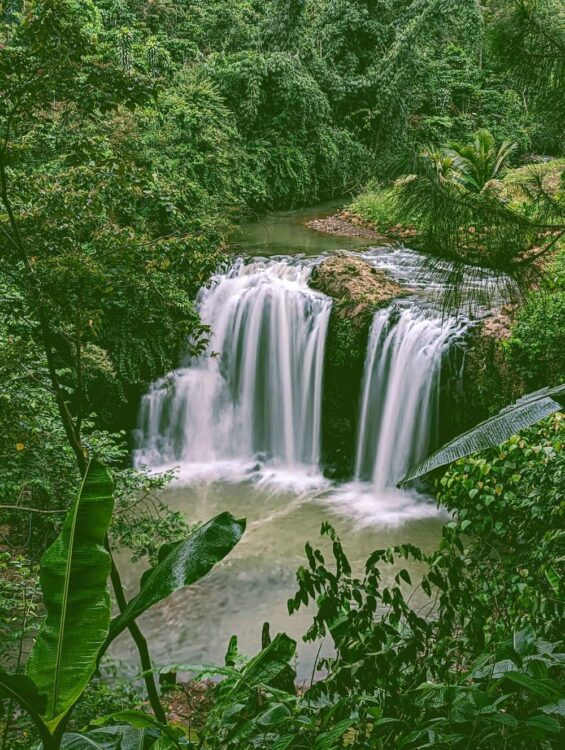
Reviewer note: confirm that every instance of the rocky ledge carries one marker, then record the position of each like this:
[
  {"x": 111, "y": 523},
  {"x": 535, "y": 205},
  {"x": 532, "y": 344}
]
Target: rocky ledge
[
  {"x": 345, "y": 224},
  {"x": 356, "y": 286}
]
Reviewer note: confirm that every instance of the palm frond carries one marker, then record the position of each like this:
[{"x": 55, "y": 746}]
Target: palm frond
[{"x": 494, "y": 431}]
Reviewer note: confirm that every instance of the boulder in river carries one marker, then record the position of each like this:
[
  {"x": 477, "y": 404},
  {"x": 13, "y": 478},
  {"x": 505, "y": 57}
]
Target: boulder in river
[{"x": 357, "y": 287}]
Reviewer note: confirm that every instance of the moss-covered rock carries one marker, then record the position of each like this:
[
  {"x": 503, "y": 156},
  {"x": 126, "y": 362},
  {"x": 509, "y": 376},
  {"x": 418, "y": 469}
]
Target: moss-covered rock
[
  {"x": 358, "y": 290},
  {"x": 357, "y": 287}
]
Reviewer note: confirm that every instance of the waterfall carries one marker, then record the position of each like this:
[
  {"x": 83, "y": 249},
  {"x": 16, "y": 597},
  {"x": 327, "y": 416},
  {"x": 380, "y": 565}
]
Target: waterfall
[
  {"x": 256, "y": 392},
  {"x": 400, "y": 392}
]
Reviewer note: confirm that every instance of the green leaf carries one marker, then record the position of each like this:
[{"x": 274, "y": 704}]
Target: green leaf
[
  {"x": 24, "y": 691},
  {"x": 140, "y": 721},
  {"x": 554, "y": 578},
  {"x": 183, "y": 563},
  {"x": 544, "y": 723},
  {"x": 524, "y": 641},
  {"x": 122, "y": 736},
  {"x": 163, "y": 743},
  {"x": 274, "y": 715},
  {"x": 545, "y": 689},
  {"x": 269, "y": 663},
  {"x": 90, "y": 741},
  {"x": 327, "y": 740},
  {"x": 494, "y": 431},
  {"x": 283, "y": 742},
  {"x": 73, "y": 576}
]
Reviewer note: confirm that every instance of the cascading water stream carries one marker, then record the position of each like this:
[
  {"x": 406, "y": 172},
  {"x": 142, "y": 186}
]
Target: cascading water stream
[
  {"x": 400, "y": 392},
  {"x": 256, "y": 392},
  {"x": 253, "y": 399}
]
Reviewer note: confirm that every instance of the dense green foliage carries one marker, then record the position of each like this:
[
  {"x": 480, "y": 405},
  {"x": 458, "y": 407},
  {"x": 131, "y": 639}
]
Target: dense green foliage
[
  {"x": 129, "y": 152},
  {"x": 133, "y": 136},
  {"x": 478, "y": 664},
  {"x": 77, "y": 628},
  {"x": 536, "y": 348}
]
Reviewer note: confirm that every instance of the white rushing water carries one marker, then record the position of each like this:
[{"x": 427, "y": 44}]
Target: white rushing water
[
  {"x": 255, "y": 394},
  {"x": 400, "y": 392},
  {"x": 251, "y": 404}
]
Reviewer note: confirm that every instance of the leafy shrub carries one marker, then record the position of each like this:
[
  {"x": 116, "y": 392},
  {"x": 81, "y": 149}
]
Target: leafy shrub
[
  {"x": 481, "y": 663},
  {"x": 536, "y": 347},
  {"x": 510, "y": 500}
]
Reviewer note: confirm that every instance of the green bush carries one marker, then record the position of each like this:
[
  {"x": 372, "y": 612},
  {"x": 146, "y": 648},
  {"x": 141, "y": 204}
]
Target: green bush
[
  {"x": 536, "y": 347},
  {"x": 509, "y": 502}
]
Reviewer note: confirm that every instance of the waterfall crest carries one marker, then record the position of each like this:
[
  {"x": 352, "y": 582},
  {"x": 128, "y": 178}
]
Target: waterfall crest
[{"x": 256, "y": 392}]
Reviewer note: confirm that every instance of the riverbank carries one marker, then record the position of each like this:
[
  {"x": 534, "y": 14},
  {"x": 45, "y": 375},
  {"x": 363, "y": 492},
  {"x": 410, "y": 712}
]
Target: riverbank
[{"x": 347, "y": 223}]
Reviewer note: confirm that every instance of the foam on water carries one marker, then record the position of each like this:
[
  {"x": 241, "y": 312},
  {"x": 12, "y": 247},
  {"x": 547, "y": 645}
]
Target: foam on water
[{"x": 385, "y": 508}]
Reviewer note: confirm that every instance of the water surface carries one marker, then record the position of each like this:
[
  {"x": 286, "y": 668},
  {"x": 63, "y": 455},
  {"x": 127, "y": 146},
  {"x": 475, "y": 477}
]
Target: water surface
[
  {"x": 285, "y": 233},
  {"x": 254, "y": 583}
]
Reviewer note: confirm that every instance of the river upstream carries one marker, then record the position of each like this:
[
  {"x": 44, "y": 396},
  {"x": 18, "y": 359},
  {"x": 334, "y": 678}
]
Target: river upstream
[{"x": 243, "y": 425}]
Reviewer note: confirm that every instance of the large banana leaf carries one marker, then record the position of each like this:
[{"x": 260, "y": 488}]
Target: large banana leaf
[
  {"x": 121, "y": 737},
  {"x": 73, "y": 575},
  {"x": 496, "y": 430},
  {"x": 180, "y": 565}
]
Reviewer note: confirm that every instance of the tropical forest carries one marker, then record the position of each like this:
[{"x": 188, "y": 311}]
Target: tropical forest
[{"x": 282, "y": 374}]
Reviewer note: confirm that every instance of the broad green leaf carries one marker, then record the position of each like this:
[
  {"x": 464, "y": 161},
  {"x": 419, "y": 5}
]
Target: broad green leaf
[
  {"x": 126, "y": 736},
  {"x": 133, "y": 739},
  {"x": 90, "y": 741},
  {"x": 524, "y": 641},
  {"x": 139, "y": 720},
  {"x": 269, "y": 663},
  {"x": 494, "y": 671},
  {"x": 544, "y": 724},
  {"x": 163, "y": 743},
  {"x": 284, "y": 742},
  {"x": 73, "y": 575},
  {"x": 554, "y": 578},
  {"x": 494, "y": 431},
  {"x": 24, "y": 692},
  {"x": 328, "y": 740},
  {"x": 180, "y": 565},
  {"x": 274, "y": 715},
  {"x": 546, "y": 689}
]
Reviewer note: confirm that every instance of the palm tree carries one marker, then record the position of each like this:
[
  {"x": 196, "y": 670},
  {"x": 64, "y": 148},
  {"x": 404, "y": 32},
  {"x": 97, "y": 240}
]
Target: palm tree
[
  {"x": 476, "y": 164},
  {"x": 456, "y": 200}
]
